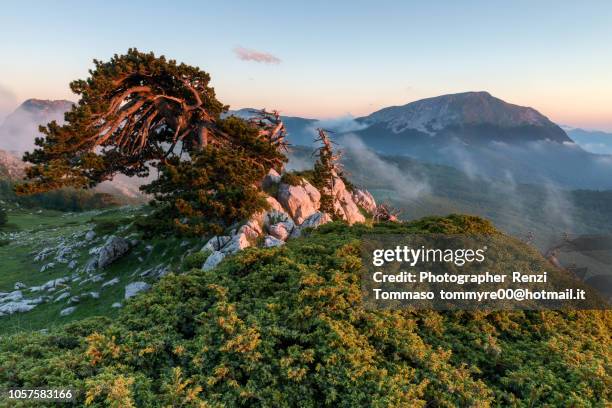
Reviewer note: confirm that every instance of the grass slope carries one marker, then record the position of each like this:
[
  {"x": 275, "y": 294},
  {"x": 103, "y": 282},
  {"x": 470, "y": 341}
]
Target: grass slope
[
  {"x": 286, "y": 327},
  {"x": 29, "y": 232}
]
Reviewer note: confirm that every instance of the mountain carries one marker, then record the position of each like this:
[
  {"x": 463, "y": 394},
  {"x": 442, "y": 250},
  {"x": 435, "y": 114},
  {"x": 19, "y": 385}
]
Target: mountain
[
  {"x": 470, "y": 117},
  {"x": 593, "y": 141},
  {"x": 19, "y": 129},
  {"x": 11, "y": 166}
]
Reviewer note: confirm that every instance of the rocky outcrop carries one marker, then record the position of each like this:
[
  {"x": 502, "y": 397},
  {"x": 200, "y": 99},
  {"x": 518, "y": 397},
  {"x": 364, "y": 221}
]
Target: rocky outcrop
[
  {"x": 365, "y": 200},
  {"x": 344, "y": 206},
  {"x": 300, "y": 201},
  {"x": 294, "y": 208}
]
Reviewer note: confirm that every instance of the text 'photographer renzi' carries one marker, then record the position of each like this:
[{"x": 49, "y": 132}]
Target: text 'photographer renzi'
[{"x": 483, "y": 272}]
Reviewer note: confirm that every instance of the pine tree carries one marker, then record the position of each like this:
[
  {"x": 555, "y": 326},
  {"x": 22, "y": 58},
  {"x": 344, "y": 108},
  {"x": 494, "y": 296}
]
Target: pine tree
[
  {"x": 137, "y": 112},
  {"x": 327, "y": 169}
]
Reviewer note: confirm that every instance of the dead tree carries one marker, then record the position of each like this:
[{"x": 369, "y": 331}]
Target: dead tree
[{"x": 384, "y": 212}]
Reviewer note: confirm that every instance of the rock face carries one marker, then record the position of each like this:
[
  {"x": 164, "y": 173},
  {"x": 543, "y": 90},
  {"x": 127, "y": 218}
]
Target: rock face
[
  {"x": 364, "y": 199},
  {"x": 113, "y": 249},
  {"x": 344, "y": 205},
  {"x": 300, "y": 201}
]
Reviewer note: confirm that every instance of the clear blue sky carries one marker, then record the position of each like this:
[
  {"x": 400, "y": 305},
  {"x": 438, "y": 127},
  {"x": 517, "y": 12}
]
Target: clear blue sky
[{"x": 336, "y": 57}]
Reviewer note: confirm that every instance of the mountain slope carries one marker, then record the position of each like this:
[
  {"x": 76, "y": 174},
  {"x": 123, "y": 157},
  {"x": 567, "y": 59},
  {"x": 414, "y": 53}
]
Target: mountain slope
[
  {"x": 20, "y": 128},
  {"x": 472, "y": 117}
]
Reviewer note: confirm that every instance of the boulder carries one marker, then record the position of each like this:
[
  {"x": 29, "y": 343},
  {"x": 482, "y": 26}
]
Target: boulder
[
  {"x": 281, "y": 230},
  {"x": 116, "y": 305},
  {"x": 90, "y": 235},
  {"x": 134, "y": 288},
  {"x": 114, "y": 248},
  {"x": 20, "y": 285},
  {"x": 270, "y": 241},
  {"x": 300, "y": 201},
  {"x": 213, "y": 260}
]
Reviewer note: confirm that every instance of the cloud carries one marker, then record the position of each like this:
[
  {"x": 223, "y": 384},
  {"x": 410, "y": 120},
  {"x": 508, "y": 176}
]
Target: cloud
[
  {"x": 246, "y": 54},
  {"x": 8, "y": 101},
  {"x": 406, "y": 186}
]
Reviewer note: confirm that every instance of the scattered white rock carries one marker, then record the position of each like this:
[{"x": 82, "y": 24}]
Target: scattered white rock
[
  {"x": 72, "y": 264},
  {"x": 116, "y": 305},
  {"x": 90, "y": 235},
  {"x": 94, "y": 295},
  {"x": 111, "y": 282},
  {"x": 62, "y": 296},
  {"x": 67, "y": 311},
  {"x": 11, "y": 296},
  {"x": 20, "y": 285},
  {"x": 132, "y": 289},
  {"x": 213, "y": 260},
  {"x": 48, "y": 266}
]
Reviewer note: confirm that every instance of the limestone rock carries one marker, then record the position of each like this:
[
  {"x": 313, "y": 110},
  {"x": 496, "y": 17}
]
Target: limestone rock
[
  {"x": 67, "y": 311},
  {"x": 344, "y": 204},
  {"x": 271, "y": 241},
  {"x": 134, "y": 288},
  {"x": 114, "y": 248},
  {"x": 213, "y": 260},
  {"x": 300, "y": 201},
  {"x": 216, "y": 243},
  {"x": 316, "y": 219},
  {"x": 90, "y": 235}
]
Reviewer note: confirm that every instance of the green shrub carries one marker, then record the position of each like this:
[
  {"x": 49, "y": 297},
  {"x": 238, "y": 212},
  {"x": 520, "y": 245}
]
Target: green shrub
[
  {"x": 195, "y": 260},
  {"x": 291, "y": 178}
]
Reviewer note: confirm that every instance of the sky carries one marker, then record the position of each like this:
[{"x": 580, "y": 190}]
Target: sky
[{"x": 326, "y": 59}]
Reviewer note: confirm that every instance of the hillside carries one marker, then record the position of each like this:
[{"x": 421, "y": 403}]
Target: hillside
[{"x": 285, "y": 326}]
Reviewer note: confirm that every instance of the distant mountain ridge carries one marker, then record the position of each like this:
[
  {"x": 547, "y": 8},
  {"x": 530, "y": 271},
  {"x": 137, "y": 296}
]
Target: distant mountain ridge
[{"x": 472, "y": 117}]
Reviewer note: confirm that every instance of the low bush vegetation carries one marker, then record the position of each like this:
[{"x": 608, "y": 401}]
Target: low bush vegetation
[{"x": 286, "y": 327}]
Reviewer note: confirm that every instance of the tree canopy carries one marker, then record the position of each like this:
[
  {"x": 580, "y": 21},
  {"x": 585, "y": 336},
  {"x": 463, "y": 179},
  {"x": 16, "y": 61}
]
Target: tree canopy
[{"x": 137, "y": 112}]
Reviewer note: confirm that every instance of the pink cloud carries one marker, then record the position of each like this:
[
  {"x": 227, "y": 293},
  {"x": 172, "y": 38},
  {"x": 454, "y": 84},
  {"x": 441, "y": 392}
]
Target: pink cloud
[{"x": 246, "y": 54}]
